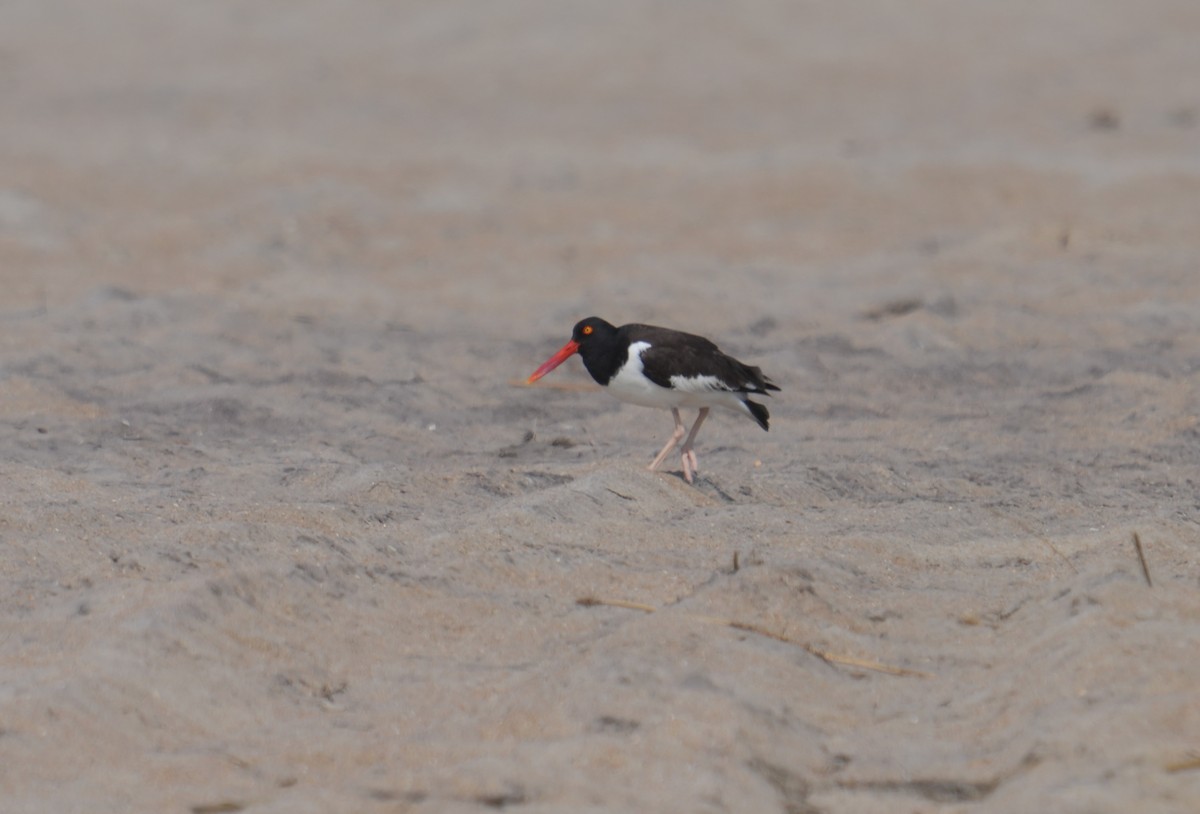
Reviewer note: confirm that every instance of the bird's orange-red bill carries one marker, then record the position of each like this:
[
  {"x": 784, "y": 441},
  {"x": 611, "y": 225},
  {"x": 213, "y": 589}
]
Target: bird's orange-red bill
[{"x": 564, "y": 353}]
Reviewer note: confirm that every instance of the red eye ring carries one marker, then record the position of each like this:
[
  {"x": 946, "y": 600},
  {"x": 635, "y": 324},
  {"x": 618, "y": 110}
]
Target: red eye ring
[{"x": 587, "y": 330}]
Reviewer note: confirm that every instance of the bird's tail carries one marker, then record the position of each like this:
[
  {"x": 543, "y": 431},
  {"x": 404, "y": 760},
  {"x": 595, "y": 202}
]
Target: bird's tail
[
  {"x": 759, "y": 382},
  {"x": 757, "y": 412}
]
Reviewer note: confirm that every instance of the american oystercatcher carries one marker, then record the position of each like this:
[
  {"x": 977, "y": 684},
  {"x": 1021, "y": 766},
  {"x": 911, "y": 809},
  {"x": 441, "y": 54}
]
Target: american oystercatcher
[{"x": 659, "y": 367}]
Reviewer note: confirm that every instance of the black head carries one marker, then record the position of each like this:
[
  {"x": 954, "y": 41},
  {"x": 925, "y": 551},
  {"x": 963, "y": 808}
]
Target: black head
[
  {"x": 590, "y": 337},
  {"x": 589, "y": 331}
]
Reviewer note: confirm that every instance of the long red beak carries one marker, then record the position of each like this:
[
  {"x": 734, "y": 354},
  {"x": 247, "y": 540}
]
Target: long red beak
[{"x": 564, "y": 353}]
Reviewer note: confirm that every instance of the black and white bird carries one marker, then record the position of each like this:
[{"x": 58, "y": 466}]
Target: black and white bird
[{"x": 659, "y": 367}]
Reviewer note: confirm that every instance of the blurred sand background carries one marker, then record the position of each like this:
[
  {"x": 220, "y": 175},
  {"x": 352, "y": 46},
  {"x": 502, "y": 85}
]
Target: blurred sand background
[{"x": 280, "y": 533}]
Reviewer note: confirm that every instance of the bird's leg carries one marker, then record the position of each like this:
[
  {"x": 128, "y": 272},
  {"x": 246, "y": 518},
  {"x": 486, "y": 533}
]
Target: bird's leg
[
  {"x": 689, "y": 454},
  {"x": 675, "y": 436}
]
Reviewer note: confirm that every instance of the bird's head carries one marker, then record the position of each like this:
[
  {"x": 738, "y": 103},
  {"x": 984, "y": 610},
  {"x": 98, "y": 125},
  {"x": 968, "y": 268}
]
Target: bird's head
[{"x": 586, "y": 332}]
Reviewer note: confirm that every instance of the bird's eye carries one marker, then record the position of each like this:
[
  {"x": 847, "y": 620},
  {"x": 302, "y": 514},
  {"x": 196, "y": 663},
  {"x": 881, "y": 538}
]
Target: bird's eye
[{"x": 587, "y": 330}]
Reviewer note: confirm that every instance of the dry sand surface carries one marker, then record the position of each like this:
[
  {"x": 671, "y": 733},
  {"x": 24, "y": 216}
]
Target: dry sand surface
[{"x": 282, "y": 532}]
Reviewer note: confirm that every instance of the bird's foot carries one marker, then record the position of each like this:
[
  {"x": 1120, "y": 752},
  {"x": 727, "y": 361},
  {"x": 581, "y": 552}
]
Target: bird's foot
[{"x": 690, "y": 466}]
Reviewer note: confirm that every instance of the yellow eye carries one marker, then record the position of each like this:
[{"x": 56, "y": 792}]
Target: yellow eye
[{"x": 587, "y": 330}]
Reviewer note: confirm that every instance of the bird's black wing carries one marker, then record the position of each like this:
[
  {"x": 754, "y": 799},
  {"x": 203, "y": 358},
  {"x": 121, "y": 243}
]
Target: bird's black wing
[{"x": 675, "y": 353}]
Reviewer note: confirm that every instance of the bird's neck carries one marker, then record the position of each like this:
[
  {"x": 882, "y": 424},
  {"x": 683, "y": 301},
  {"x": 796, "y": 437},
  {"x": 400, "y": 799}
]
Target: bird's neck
[{"x": 604, "y": 358}]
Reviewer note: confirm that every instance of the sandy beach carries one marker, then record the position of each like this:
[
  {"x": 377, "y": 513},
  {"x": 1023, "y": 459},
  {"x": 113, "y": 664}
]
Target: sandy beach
[{"x": 282, "y": 529}]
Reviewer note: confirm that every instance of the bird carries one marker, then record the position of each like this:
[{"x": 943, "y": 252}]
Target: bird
[{"x": 661, "y": 367}]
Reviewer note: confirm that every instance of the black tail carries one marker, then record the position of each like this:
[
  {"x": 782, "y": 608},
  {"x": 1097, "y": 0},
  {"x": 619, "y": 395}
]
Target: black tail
[
  {"x": 759, "y": 381},
  {"x": 759, "y": 412}
]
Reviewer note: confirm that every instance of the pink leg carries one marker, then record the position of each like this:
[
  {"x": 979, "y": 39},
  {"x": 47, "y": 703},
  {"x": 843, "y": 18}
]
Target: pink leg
[
  {"x": 689, "y": 454},
  {"x": 675, "y": 436}
]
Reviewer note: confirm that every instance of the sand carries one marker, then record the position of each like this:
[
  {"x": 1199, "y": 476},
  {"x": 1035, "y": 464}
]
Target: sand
[{"x": 282, "y": 531}]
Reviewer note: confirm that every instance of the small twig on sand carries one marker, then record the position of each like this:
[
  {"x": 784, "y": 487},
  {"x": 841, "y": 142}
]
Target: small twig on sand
[
  {"x": 591, "y": 602},
  {"x": 823, "y": 655},
  {"x": 1137, "y": 544},
  {"x": 1016, "y": 521},
  {"x": 570, "y": 387},
  {"x": 1187, "y": 764},
  {"x": 618, "y": 494}
]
